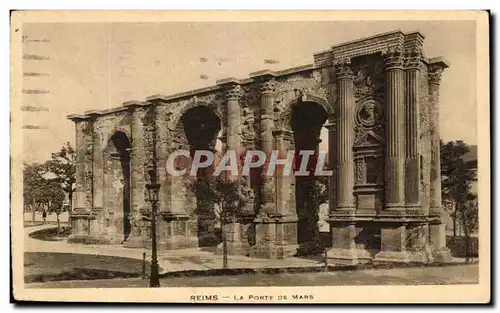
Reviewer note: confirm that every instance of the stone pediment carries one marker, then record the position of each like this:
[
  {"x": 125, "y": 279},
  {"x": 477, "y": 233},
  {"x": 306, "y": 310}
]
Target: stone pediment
[{"x": 368, "y": 139}]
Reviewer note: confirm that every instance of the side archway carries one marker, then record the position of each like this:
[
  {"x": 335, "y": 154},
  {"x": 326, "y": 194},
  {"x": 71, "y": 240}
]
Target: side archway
[{"x": 117, "y": 184}]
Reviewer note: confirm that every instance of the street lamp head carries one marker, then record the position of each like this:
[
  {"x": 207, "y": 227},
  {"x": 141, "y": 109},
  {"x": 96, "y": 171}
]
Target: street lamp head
[
  {"x": 152, "y": 176},
  {"x": 153, "y": 188}
]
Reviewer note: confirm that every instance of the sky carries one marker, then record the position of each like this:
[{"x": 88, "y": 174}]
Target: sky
[{"x": 101, "y": 65}]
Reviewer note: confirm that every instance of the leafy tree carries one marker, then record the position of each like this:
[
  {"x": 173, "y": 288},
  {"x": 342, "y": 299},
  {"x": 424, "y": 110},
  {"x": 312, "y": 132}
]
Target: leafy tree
[
  {"x": 457, "y": 175},
  {"x": 53, "y": 195},
  {"x": 228, "y": 197},
  {"x": 33, "y": 183},
  {"x": 41, "y": 191},
  {"x": 469, "y": 216},
  {"x": 62, "y": 164}
]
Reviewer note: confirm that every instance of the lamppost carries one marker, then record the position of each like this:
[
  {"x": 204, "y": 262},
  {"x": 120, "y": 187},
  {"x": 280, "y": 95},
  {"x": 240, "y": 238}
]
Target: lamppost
[{"x": 153, "y": 191}]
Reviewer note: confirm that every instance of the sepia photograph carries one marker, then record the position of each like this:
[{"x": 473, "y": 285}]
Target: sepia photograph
[{"x": 250, "y": 157}]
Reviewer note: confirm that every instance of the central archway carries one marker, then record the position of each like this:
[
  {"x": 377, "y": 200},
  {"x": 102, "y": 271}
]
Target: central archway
[
  {"x": 307, "y": 121},
  {"x": 201, "y": 127}
]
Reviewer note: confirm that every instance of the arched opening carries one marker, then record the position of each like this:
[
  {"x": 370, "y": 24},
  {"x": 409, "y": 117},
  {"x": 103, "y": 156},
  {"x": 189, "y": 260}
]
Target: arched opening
[
  {"x": 201, "y": 126},
  {"x": 311, "y": 192},
  {"x": 117, "y": 184}
]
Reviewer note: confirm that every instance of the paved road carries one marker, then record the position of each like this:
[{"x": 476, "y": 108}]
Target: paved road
[
  {"x": 456, "y": 274},
  {"x": 172, "y": 260}
]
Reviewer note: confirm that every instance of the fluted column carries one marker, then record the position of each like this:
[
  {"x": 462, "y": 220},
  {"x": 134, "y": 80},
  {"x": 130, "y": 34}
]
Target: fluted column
[
  {"x": 395, "y": 132},
  {"x": 412, "y": 177},
  {"x": 344, "y": 156},
  {"x": 233, "y": 115},
  {"x": 434, "y": 75},
  {"x": 267, "y": 93},
  {"x": 437, "y": 229},
  {"x": 342, "y": 228}
]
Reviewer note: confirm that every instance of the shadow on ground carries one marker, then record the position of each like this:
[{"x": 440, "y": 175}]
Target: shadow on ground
[
  {"x": 50, "y": 234},
  {"x": 45, "y": 267}
]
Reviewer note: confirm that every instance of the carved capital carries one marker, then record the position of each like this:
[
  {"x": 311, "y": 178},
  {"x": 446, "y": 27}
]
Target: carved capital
[
  {"x": 394, "y": 58},
  {"x": 268, "y": 86},
  {"x": 343, "y": 69},
  {"x": 434, "y": 75},
  {"x": 85, "y": 127},
  {"x": 413, "y": 58},
  {"x": 234, "y": 92}
]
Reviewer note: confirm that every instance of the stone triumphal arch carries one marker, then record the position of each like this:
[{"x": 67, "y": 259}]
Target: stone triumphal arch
[{"x": 378, "y": 97}]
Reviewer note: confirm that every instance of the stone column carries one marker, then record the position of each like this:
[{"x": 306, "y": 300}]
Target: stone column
[
  {"x": 344, "y": 156},
  {"x": 138, "y": 174},
  {"x": 267, "y": 91},
  {"x": 161, "y": 139},
  {"x": 395, "y": 133},
  {"x": 81, "y": 127},
  {"x": 342, "y": 224},
  {"x": 394, "y": 232},
  {"x": 82, "y": 198},
  {"x": 233, "y": 92},
  {"x": 437, "y": 233},
  {"x": 97, "y": 224},
  {"x": 412, "y": 179},
  {"x": 233, "y": 115}
]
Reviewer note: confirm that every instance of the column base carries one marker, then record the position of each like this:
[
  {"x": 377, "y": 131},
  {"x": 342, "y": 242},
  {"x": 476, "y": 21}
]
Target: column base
[
  {"x": 340, "y": 256},
  {"x": 273, "y": 251},
  {"x": 343, "y": 256},
  {"x": 402, "y": 257}
]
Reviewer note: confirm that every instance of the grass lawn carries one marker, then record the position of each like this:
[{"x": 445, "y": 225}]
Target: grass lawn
[
  {"x": 42, "y": 267},
  {"x": 457, "y": 274}
]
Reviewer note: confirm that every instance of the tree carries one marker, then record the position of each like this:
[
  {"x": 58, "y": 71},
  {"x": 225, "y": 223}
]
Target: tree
[
  {"x": 469, "y": 217},
  {"x": 228, "y": 196},
  {"x": 41, "y": 191},
  {"x": 457, "y": 176},
  {"x": 53, "y": 195},
  {"x": 33, "y": 183},
  {"x": 62, "y": 164}
]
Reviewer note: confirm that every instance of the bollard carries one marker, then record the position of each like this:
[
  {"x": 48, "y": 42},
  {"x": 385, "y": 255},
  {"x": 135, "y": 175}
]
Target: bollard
[
  {"x": 144, "y": 265},
  {"x": 326, "y": 260}
]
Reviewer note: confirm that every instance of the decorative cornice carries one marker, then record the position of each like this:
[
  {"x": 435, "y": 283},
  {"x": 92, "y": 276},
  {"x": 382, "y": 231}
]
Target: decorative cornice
[
  {"x": 394, "y": 58},
  {"x": 77, "y": 117},
  {"x": 133, "y": 104},
  {"x": 343, "y": 69}
]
